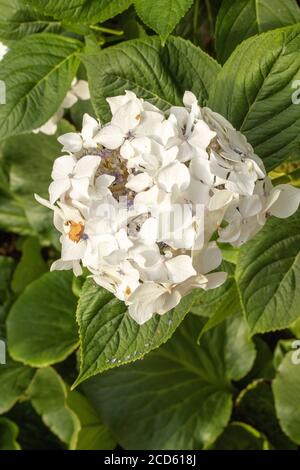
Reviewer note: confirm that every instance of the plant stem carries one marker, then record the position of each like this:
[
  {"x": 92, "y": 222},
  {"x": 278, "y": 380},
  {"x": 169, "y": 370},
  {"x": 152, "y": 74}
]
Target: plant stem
[
  {"x": 210, "y": 16},
  {"x": 107, "y": 30}
]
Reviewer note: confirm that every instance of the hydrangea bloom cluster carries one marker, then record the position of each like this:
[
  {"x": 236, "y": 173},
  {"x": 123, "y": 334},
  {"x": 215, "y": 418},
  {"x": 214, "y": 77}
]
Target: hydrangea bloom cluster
[{"x": 137, "y": 201}]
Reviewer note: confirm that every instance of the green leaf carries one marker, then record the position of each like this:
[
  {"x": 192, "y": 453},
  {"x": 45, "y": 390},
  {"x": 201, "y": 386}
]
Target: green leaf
[
  {"x": 283, "y": 346},
  {"x": 240, "y": 436},
  {"x": 34, "y": 434},
  {"x": 286, "y": 389},
  {"x": 24, "y": 22},
  {"x": 254, "y": 92},
  {"x": 8, "y": 434},
  {"x": 239, "y": 19},
  {"x": 30, "y": 267},
  {"x": 7, "y": 267},
  {"x": 109, "y": 337},
  {"x": 93, "y": 435},
  {"x": 15, "y": 379},
  {"x": 12, "y": 216},
  {"x": 41, "y": 326},
  {"x": 37, "y": 73},
  {"x": 263, "y": 367},
  {"x": 155, "y": 73},
  {"x": 268, "y": 276},
  {"x": 180, "y": 396},
  {"x": 8, "y": 7},
  {"x": 207, "y": 303},
  {"x": 48, "y": 394},
  {"x": 255, "y": 405},
  {"x": 162, "y": 15},
  {"x": 81, "y": 11}
]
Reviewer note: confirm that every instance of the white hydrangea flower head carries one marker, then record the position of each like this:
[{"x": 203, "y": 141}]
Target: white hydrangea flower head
[{"x": 139, "y": 200}]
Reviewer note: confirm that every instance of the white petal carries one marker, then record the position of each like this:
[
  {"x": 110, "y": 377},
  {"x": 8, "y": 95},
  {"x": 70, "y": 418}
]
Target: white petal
[
  {"x": 232, "y": 232},
  {"x": 127, "y": 117},
  {"x": 69, "y": 100},
  {"x": 127, "y": 151},
  {"x": 110, "y": 136},
  {"x": 143, "y": 301},
  {"x": 180, "y": 268},
  {"x": 122, "y": 238},
  {"x": 44, "y": 202},
  {"x": 201, "y": 169},
  {"x": 79, "y": 188},
  {"x": 250, "y": 206},
  {"x": 139, "y": 182},
  {"x": 176, "y": 174},
  {"x": 87, "y": 166},
  {"x": 208, "y": 259},
  {"x": 287, "y": 203},
  {"x": 71, "y": 142},
  {"x": 220, "y": 199},
  {"x": 168, "y": 301},
  {"x": 63, "y": 167},
  {"x": 81, "y": 89},
  {"x": 149, "y": 231},
  {"x": 189, "y": 98},
  {"x": 201, "y": 135},
  {"x": 116, "y": 102},
  {"x": 57, "y": 188},
  {"x": 60, "y": 265},
  {"x": 89, "y": 127},
  {"x": 71, "y": 250},
  {"x": 216, "y": 280}
]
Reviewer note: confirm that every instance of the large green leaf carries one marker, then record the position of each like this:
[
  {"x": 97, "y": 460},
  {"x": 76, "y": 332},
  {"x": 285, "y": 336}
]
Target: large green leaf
[
  {"x": 8, "y": 435},
  {"x": 24, "y": 22},
  {"x": 286, "y": 389},
  {"x": 48, "y": 394},
  {"x": 240, "y": 436},
  {"x": 217, "y": 304},
  {"x": 8, "y": 7},
  {"x": 93, "y": 435},
  {"x": 156, "y": 73},
  {"x": 30, "y": 267},
  {"x": 7, "y": 266},
  {"x": 268, "y": 276},
  {"x": 12, "y": 216},
  {"x": 255, "y": 405},
  {"x": 109, "y": 337},
  {"x": 15, "y": 379},
  {"x": 162, "y": 15},
  {"x": 81, "y": 11},
  {"x": 41, "y": 326},
  {"x": 239, "y": 19},
  {"x": 37, "y": 73},
  {"x": 180, "y": 396},
  {"x": 254, "y": 92}
]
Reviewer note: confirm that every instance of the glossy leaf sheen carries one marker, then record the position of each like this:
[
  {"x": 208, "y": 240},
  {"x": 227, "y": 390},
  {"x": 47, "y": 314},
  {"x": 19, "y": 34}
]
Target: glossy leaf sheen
[
  {"x": 81, "y": 11},
  {"x": 180, "y": 396},
  {"x": 286, "y": 389},
  {"x": 37, "y": 73},
  {"x": 158, "y": 74},
  {"x": 239, "y": 19},
  {"x": 41, "y": 326},
  {"x": 254, "y": 92},
  {"x": 162, "y": 15},
  {"x": 109, "y": 337}
]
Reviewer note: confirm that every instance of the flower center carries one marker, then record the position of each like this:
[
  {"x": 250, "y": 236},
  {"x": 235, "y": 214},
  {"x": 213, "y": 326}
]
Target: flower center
[{"x": 76, "y": 232}]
